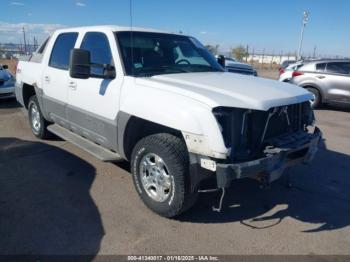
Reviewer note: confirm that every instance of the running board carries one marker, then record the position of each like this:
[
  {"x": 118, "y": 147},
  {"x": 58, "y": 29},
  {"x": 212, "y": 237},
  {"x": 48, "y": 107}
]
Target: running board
[{"x": 90, "y": 147}]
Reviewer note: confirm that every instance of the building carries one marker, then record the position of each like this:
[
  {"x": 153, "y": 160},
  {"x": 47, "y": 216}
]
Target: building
[{"x": 269, "y": 59}]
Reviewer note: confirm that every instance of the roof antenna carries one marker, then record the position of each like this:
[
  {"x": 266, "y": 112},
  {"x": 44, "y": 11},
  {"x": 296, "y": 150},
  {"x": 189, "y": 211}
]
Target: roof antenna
[{"x": 131, "y": 39}]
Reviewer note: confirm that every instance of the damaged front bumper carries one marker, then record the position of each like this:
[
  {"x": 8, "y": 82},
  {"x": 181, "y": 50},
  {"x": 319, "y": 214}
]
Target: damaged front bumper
[{"x": 276, "y": 160}]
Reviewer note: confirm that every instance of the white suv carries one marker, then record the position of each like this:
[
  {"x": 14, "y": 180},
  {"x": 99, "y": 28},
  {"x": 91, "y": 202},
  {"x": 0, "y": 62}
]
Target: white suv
[
  {"x": 286, "y": 74},
  {"x": 162, "y": 101}
]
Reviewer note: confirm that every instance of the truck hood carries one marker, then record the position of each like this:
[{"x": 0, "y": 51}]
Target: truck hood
[{"x": 229, "y": 90}]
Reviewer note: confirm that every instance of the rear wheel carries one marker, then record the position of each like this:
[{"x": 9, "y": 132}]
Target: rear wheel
[
  {"x": 36, "y": 119},
  {"x": 160, "y": 169},
  {"x": 317, "y": 101}
]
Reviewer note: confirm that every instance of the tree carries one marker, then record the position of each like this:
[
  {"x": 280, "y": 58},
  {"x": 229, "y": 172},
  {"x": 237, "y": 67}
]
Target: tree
[
  {"x": 213, "y": 49},
  {"x": 239, "y": 52}
]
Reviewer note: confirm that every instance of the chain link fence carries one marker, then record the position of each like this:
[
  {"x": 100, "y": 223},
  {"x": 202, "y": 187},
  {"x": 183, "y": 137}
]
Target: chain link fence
[{"x": 16, "y": 51}]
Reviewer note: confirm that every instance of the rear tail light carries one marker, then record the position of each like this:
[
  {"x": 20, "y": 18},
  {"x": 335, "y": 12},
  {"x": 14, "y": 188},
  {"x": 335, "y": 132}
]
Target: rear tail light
[
  {"x": 297, "y": 73},
  {"x": 282, "y": 71}
]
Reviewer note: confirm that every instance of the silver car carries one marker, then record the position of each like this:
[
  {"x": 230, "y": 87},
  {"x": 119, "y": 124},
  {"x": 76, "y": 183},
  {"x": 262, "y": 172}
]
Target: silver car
[
  {"x": 7, "y": 83},
  {"x": 328, "y": 80}
]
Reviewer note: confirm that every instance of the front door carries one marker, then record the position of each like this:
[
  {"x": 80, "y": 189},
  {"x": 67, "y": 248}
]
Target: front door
[{"x": 94, "y": 102}]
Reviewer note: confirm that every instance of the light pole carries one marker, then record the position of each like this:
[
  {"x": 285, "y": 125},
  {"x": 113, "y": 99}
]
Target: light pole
[{"x": 304, "y": 22}]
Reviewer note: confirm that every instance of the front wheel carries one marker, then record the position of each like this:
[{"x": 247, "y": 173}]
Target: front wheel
[
  {"x": 36, "y": 120},
  {"x": 316, "y": 101},
  {"x": 160, "y": 169}
]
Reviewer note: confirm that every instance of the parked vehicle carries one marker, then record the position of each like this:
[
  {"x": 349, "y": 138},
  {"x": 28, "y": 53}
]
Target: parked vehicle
[
  {"x": 286, "y": 74},
  {"x": 327, "y": 80},
  {"x": 286, "y": 63},
  {"x": 7, "y": 83},
  {"x": 162, "y": 102},
  {"x": 232, "y": 66}
]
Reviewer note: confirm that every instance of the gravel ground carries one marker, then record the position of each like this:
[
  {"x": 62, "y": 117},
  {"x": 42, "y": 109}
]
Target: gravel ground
[
  {"x": 272, "y": 73},
  {"x": 57, "y": 199}
]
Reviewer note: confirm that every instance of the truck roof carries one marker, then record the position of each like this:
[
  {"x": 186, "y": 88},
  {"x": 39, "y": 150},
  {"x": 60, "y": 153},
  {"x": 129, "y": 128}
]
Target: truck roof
[{"x": 113, "y": 28}]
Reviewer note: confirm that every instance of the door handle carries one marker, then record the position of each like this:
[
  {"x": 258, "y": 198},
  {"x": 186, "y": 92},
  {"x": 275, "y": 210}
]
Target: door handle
[
  {"x": 320, "y": 77},
  {"x": 72, "y": 85},
  {"x": 47, "y": 79}
]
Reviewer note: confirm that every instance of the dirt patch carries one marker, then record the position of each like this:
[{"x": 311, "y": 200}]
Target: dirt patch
[
  {"x": 11, "y": 63},
  {"x": 268, "y": 73}
]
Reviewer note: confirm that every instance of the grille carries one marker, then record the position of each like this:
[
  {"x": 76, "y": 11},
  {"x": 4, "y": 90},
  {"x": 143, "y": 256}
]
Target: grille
[{"x": 284, "y": 119}]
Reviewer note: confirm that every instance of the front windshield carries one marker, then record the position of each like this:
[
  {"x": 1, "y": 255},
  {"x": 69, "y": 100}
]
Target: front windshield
[{"x": 150, "y": 54}]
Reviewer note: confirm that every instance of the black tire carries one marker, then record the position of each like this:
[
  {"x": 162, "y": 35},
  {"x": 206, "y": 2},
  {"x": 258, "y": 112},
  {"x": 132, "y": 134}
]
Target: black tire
[
  {"x": 317, "y": 102},
  {"x": 39, "y": 131},
  {"x": 173, "y": 152}
]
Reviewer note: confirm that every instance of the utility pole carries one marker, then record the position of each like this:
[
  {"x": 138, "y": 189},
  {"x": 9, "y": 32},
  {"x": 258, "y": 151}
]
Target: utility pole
[
  {"x": 35, "y": 43},
  {"x": 304, "y": 22},
  {"x": 272, "y": 57},
  {"x": 262, "y": 60},
  {"x": 314, "y": 54},
  {"x": 247, "y": 53},
  {"x": 20, "y": 45},
  {"x": 253, "y": 56},
  {"x": 281, "y": 54},
  {"x": 24, "y": 39}
]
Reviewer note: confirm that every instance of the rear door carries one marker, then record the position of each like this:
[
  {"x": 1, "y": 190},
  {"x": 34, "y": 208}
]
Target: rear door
[
  {"x": 55, "y": 77},
  {"x": 337, "y": 81},
  {"x": 94, "y": 102}
]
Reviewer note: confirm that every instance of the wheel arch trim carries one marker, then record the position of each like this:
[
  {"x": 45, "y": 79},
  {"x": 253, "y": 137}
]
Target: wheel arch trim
[{"x": 312, "y": 85}]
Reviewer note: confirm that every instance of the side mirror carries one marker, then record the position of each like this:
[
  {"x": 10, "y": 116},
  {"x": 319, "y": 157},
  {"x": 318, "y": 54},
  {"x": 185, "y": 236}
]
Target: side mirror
[
  {"x": 221, "y": 60},
  {"x": 5, "y": 66},
  {"x": 79, "y": 63}
]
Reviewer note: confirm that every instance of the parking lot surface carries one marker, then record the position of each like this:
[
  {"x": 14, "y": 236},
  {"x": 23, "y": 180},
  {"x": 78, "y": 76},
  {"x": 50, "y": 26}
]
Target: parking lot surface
[{"x": 57, "y": 199}]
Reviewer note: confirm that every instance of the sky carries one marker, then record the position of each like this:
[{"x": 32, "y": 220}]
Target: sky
[{"x": 269, "y": 26}]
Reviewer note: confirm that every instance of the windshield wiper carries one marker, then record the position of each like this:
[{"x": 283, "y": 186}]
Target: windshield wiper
[
  {"x": 207, "y": 68},
  {"x": 176, "y": 68},
  {"x": 150, "y": 71}
]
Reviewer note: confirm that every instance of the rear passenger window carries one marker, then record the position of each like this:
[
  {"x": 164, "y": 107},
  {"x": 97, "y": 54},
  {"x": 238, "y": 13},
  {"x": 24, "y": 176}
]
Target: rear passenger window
[
  {"x": 61, "y": 50},
  {"x": 98, "y": 45},
  {"x": 320, "y": 67},
  {"x": 346, "y": 67},
  {"x": 338, "y": 68}
]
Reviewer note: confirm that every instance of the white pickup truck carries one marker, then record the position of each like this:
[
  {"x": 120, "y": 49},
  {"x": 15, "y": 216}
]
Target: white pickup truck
[{"x": 162, "y": 102}]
